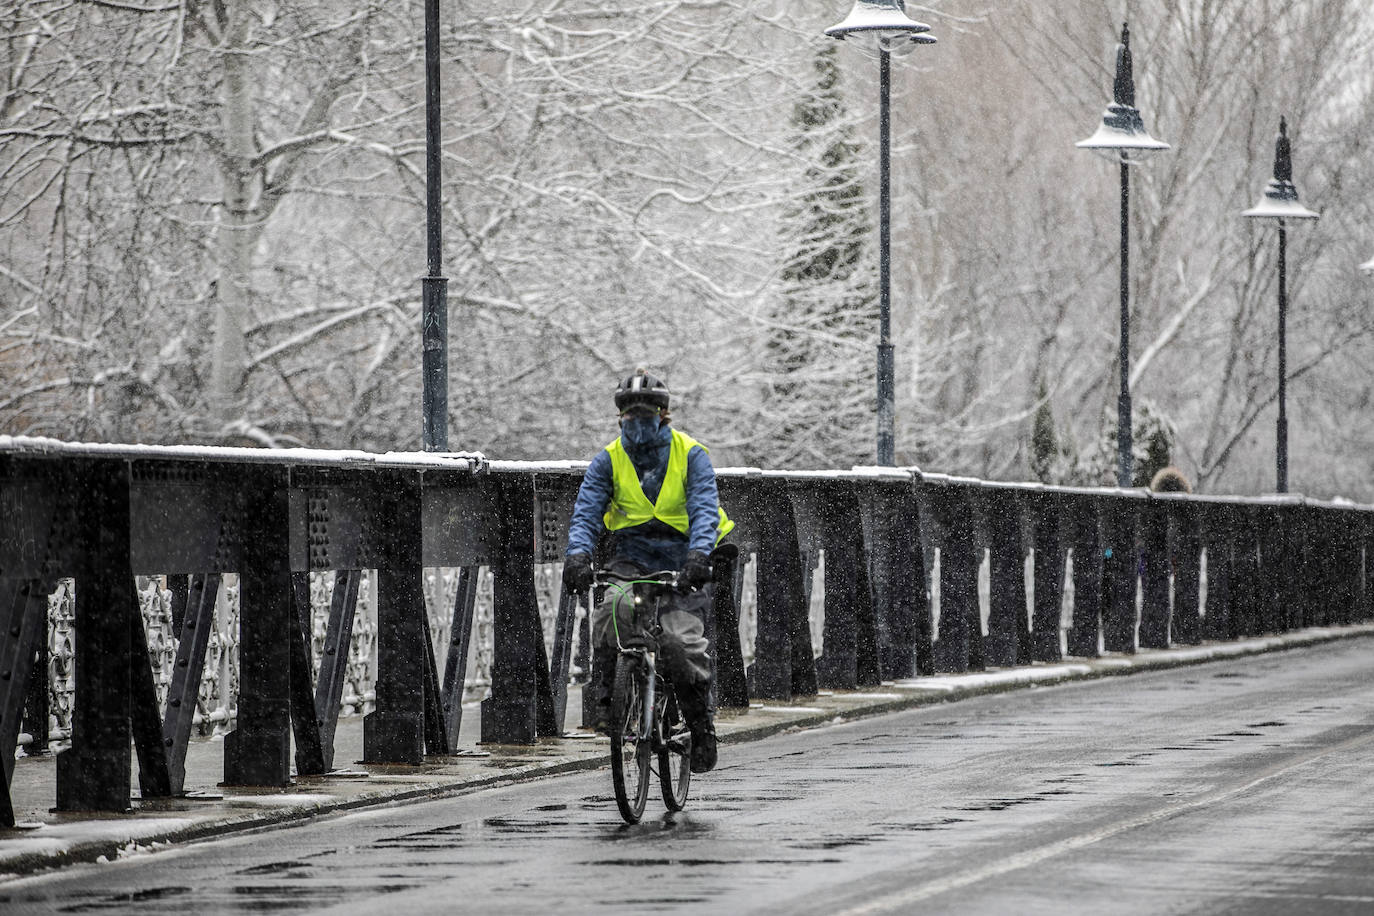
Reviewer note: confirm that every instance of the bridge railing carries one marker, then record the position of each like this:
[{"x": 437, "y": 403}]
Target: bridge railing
[{"x": 103, "y": 514}]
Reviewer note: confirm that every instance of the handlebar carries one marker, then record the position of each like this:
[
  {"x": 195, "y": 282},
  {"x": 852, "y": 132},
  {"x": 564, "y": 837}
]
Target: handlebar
[
  {"x": 628, "y": 595},
  {"x": 670, "y": 578}
]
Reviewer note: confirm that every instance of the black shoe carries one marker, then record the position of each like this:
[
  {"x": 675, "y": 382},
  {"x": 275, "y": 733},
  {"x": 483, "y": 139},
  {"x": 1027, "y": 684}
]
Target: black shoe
[
  {"x": 601, "y": 719},
  {"x": 694, "y": 701},
  {"x": 704, "y": 748}
]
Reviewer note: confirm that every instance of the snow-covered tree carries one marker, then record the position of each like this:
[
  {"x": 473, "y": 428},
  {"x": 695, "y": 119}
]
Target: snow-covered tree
[{"x": 211, "y": 228}]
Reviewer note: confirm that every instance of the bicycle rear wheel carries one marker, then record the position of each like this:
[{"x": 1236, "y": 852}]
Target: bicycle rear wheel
[
  {"x": 630, "y": 748},
  {"x": 675, "y": 753}
]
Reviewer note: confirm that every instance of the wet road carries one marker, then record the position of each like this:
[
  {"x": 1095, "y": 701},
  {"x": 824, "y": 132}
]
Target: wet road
[{"x": 1233, "y": 787}]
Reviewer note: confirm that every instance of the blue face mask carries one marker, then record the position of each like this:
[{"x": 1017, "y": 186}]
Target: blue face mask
[{"x": 637, "y": 432}]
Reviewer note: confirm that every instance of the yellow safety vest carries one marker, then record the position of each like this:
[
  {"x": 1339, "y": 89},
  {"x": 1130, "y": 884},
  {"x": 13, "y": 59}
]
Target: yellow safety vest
[{"x": 629, "y": 506}]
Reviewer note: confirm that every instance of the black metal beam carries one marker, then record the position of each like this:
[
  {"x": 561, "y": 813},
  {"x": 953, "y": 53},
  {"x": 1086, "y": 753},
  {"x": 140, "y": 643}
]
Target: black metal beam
[
  {"x": 193, "y": 638},
  {"x": 1085, "y": 632},
  {"x": 781, "y": 604},
  {"x": 1008, "y": 639},
  {"x": 1185, "y": 549},
  {"x": 305, "y": 725},
  {"x": 959, "y": 647},
  {"x": 732, "y": 686},
  {"x": 94, "y": 773},
  {"x": 509, "y": 714},
  {"x": 23, "y": 618},
  {"x": 258, "y": 751},
  {"x": 848, "y": 597},
  {"x": 394, "y": 732},
  {"x": 1155, "y": 564},
  {"x": 333, "y": 674},
  {"x": 1047, "y": 579},
  {"x": 1119, "y": 575},
  {"x": 460, "y": 638}
]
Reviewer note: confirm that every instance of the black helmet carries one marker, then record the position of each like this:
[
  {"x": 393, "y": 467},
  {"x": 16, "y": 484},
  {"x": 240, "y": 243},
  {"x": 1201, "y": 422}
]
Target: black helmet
[{"x": 641, "y": 388}]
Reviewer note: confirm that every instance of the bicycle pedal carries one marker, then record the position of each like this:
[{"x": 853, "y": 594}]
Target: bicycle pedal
[{"x": 680, "y": 743}]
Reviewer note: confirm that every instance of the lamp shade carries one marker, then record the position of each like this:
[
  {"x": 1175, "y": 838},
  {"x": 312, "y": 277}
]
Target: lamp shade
[
  {"x": 1122, "y": 129},
  {"x": 881, "y": 27},
  {"x": 1280, "y": 197}
]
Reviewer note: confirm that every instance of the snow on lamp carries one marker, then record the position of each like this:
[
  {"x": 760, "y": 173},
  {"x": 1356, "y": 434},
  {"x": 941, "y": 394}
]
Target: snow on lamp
[
  {"x": 1122, "y": 128},
  {"x": 881, "y": 27}
]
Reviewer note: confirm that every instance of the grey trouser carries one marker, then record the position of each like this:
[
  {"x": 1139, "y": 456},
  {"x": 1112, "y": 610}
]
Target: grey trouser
[{"x": 683, "y": 647}]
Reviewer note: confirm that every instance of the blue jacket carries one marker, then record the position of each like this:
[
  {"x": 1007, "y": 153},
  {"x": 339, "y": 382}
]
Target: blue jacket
[{"x": 654, "y": 545}]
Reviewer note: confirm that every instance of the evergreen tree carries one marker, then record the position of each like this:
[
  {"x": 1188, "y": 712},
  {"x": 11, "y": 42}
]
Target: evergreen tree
[
  {"x": 1156, "y": 457},
  {"x": 1044, "y": 444},
  {"x": 1152, "y": 445},
  {"x": 825, "y": 319}
]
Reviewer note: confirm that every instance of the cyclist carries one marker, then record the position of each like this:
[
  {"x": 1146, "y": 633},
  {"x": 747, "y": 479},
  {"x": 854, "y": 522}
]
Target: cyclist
[{"x": 653, "y": 490}]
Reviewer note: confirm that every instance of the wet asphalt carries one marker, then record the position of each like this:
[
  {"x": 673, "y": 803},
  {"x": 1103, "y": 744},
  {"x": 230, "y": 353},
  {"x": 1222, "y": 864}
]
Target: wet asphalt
[{"x": 1238, "y": 786}]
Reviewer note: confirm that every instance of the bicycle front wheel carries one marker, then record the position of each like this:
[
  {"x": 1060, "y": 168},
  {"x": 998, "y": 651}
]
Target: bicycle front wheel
[
  {"x": 630, "y": 743},
  {"x": 675, "y": 753}
]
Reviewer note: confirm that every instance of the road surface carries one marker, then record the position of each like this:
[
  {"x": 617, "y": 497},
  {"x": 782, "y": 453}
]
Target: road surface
[{"x": 1243, "y": 786}]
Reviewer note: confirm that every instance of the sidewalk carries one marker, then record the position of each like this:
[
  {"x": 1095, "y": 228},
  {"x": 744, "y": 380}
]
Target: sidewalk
[{"x": 48, "y": 839}]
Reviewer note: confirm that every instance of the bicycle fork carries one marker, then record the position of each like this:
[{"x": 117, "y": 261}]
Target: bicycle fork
[{"x": 649, "y": 699}]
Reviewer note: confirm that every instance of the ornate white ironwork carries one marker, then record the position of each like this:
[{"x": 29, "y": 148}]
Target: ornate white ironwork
[
  {"x": 155, "y": 604},
  {"x": 477, "y": 679},
  {"x": 217, "y": 700},
  {"x": 61, "y": 652},
  {"x": 748, "y": 611}
]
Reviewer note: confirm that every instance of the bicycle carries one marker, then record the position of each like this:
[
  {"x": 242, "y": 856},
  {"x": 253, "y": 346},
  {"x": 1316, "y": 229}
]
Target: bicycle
[{"x": 646, "y": 722}]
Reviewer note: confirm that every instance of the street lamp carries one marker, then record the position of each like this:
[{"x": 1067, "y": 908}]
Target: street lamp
[
  {"x": 881, "y": 28},
  {"x": 433, "y": 286},
  {"x": 1280, "y": 202},
  {"x": 1123, "y": 132}
]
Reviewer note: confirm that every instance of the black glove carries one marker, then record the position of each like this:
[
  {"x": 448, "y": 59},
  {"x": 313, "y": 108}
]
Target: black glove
[
  {"x": 696, "y": 572},
  {"x": 577, "y": 572}
]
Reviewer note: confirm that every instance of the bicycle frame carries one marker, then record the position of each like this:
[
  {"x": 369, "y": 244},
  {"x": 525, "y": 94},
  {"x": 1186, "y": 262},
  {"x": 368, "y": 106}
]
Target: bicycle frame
[
  {"x": 645, "y": 630},
  {"x": 636, "y": 605}
]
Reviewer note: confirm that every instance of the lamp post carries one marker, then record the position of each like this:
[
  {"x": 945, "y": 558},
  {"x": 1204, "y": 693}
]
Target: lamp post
[
  {"x": 881, "y": 28},
  {"x": 1279, "y": 202},
  {"x": 1123, "y": 132},
  {"x": 433, "y": 286}
]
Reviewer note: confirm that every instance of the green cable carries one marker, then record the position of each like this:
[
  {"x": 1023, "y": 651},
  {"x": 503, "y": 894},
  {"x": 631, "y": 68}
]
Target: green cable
[
  {"x": 621, "y": 589},
  {"x": 615, "y": 603}
]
